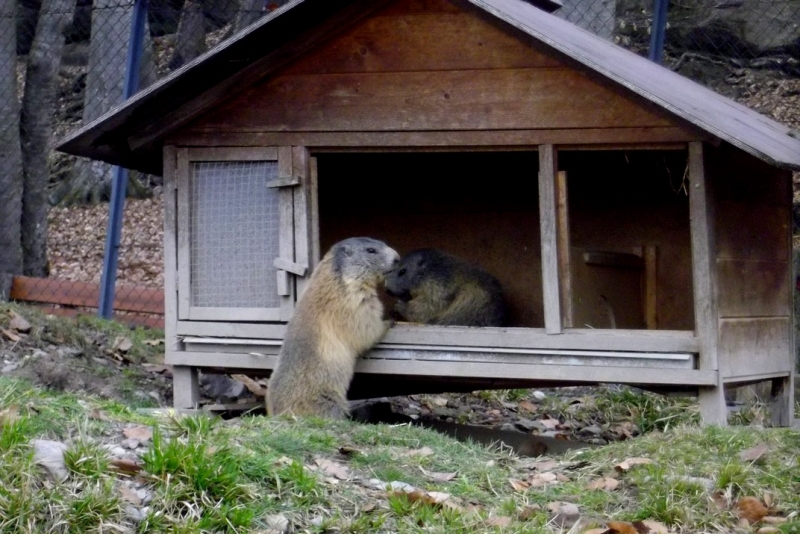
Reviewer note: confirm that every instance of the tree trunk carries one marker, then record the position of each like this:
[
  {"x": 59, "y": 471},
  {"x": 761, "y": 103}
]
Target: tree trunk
[
  {"x": 10, "y": 151},
  {"x": 190, "y": 41},
  {"x": 36, "y": 129}
]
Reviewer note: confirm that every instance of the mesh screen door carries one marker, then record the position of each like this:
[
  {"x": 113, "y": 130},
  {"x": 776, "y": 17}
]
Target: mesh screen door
[{"x": 234, "y": 234}]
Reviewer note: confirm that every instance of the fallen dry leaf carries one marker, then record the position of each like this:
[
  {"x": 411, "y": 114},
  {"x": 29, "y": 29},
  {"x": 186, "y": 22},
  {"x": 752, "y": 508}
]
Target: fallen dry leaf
[
  {"x": 630, "y": 462},
  {"x": 768, "y": 499},
  {"x": 10, "y": 335},
  {"x": 368, "y": 507},
  {"x": 565, "y": 514},
  {"x": 18, "y": 323},
  {"x": 439, "y": 477},
  {"x": 550, "y": 423},
  {"x": 142, "y": 433},
  {"x": 751, "y": 509},
  {"x": 528, "y": 406},
  {"x": 773, "y": 520},
  {"x": 539, "y": 480},
  {"x": 622, "y": 527},
  {"x": 654, "y": 527},
  {"x": 252, "y": 386},
  {"x": 546, "y": 465},
  {"x": 498, "y": 521},
  {"x": 519, "y": 485},
  {"x": 333, "y": 469},
  {"x": 424, "y": 451},
  {"x": 125, "y": 466},
  {"x": 605, "y": 484},
  {"x": 122, "y": 344},
  {"x": 768, "y": 530},
  {"x": 153, "y": 342},
  {"x": 755, "y": 453}
]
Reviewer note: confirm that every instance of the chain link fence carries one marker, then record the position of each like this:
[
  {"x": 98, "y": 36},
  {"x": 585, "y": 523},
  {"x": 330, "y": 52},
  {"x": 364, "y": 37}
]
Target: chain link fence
[{"x": 63, "y": 64}]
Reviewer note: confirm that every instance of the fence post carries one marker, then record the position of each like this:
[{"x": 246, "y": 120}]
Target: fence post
[
  {"x": 120, "y": 180},
  {"x": 656, "y": 52}
]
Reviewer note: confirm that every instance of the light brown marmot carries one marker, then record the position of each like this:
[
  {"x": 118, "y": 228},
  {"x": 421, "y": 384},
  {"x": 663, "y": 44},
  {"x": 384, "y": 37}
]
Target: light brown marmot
[
  {"x": 338, "y": 318},
  {"x": 437, "y": 288}
]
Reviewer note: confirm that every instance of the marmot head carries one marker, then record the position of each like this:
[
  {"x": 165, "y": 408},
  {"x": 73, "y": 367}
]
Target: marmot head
[
  {"x": 416, "y": 267},
  {"x": 364, "y": 259}
]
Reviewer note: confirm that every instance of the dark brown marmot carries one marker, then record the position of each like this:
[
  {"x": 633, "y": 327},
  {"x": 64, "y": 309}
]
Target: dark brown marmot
[
  {"x": 339, "y": 317},
  {"x": 436, "y": 288}
]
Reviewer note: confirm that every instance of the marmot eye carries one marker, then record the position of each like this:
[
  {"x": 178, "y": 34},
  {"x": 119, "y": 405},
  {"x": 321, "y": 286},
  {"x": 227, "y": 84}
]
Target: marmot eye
[
  {"x": 401, "y": 272},
  {"x": 371, "y": 250}
]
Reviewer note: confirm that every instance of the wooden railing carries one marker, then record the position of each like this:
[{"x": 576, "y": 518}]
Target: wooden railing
[{"x": 141, "y": 306}]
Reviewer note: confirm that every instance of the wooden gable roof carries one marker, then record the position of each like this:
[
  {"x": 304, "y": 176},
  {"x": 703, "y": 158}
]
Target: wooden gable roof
[{"x": 130, "y": 134}]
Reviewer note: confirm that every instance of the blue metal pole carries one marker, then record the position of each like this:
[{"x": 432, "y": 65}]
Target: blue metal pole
[
  {"x": 656, "y": 52},
  {"x": 120, "y": 180}
]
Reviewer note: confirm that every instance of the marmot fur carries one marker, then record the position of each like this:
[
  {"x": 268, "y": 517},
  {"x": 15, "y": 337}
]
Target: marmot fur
[
  {"x": 339, "y": 317},
  {"x": 436, "y": 288}
]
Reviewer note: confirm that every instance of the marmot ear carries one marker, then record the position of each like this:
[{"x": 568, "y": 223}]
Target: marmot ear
[{"x": 348, "y": 250}]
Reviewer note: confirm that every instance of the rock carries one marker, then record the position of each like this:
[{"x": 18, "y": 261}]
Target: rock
[
  {"x": 222, "y": 388},
  {"x": 509, "y": 427},
  {"x": 539, "y": 395},
  {"x": 69, "y": 352},
  {"x": 136, "y": 515},
  {"x": 9, "y": 368},
  {"x": 130, "y": 443},
  {"x": 741, "y": 28},
  {"x": 528, "y": 425},
  {"x": 592, "y": 429},
  {"x": 50, "y": 455}
]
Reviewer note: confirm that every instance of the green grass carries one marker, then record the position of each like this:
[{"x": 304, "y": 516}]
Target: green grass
[{"x": 210, "y": 475}]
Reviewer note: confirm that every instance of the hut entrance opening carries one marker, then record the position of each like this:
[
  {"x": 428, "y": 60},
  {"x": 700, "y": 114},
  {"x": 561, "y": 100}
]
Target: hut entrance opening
[{"x": 626, "y": 225}]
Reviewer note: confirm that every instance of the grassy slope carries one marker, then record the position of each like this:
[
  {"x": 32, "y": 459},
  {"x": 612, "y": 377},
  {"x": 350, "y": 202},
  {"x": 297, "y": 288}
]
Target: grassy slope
[{"x": 257, "y": 474}]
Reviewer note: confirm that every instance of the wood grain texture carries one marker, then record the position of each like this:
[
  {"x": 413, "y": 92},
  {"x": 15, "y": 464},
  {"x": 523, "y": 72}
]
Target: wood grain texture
[
  {"x": 302, "y": 215},
  {"x": 183, "y": 181},
  {"x": 751, "y": 231},
  {"x": 286, "y": 231},
  {"x": 422, "y": 42},
  {"x": 443, "y": 100},
  {"x": 755, "y": 346},
  {"x": 564, "y": 256},
  {"x": 751, "y": 288},
  {"x": 706, "y": 315},
  {"x": 647, "y": 138},
  {"x": 548, "y": 176}
]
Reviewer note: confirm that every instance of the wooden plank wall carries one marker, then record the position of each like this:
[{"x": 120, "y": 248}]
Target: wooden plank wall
[
  {"x": 429, "y": 67},
  {"x": 753, "y": 232}
]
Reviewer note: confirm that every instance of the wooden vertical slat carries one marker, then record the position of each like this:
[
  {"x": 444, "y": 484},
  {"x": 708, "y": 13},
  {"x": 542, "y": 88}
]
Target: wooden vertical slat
[
  {"x": 562, "y": 230},
  {"x": 186, "y": 387},
  {"x": 183, "y": 180},
  {"x": 286, "y": 239},
  {"x": 548, "y": 168},
  {"x": 170, "y": 167},
  {"x": 650, "y": 287},
  {"x": 302, "y": 213},
  {"x": 314, "y": 192},
  {"x": 706, "y": 317}
]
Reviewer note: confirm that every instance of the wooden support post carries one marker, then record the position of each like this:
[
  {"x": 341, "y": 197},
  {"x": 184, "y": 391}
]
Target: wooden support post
[
  {"x": 302, "y": 214},
  {"x": 186, "y": 387},
  {"x": 706, "y": 317},
  {"x": 286, "y": 287},
  {"x": 781, "y": 402},
  {"x": 548, "y": 169},
  {"x": 564, "y": 268}
]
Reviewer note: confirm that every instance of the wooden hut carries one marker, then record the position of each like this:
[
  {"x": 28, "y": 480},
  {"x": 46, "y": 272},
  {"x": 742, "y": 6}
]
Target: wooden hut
[{"x": 639, "y": 223}]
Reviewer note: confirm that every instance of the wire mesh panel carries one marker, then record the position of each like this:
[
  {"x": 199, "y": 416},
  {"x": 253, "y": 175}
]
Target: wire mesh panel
[{"x": 234, "y": 234}]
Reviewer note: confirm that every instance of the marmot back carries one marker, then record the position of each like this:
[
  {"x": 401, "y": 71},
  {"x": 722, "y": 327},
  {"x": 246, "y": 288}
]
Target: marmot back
[
  {"x": 338, "y": 317},
  {"x": 437, "y": 288}
]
